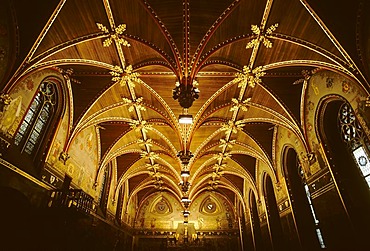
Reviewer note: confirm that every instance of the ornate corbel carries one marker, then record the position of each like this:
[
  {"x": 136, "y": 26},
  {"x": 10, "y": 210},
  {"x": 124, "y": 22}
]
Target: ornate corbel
[
  {"x": 5, "y": 100},
  {"x": 64, "y": 156}
]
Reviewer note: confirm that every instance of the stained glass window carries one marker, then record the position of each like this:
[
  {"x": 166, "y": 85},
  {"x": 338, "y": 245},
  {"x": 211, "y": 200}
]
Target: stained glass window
[
  {"x": 354, "y": 136},
  {"x": 37, "y": 118}
]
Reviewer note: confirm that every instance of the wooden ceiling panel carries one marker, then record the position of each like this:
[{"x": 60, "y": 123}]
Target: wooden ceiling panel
[
  {"x": 110, "y": 132},
  {"x": 238, "y": 24},
  {"x": 262, "y": 133},
  {"x": 141, "y": 23},
  {"x": 247, "y": 162},
  {"x": 124, "y": 162},
  {"x": 82, "y": 14}
]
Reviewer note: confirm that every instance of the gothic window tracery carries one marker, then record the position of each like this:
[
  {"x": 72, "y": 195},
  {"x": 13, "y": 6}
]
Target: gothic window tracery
[
  {"x": 354, "y": 136},
  {"x": 38, "y": 118}
]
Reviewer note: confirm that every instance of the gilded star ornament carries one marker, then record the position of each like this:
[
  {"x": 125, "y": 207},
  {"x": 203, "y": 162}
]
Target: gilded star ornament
[
  {"x": 116, "y": 73},
  {"x": 232, "y": 127},
  {"x": 152, "y": 167},
  {"x": 225, "y": 143},
  {"x": 115, "y": 35},
  {"x": 130, "y": 77},
  {"x": 156, "y": 175},
  {"x": 239, "y": 105},
  {"x": 218, "y": 168},
  {"x": 126, "y": 76},
  {"x": 134, "y": 104},
  {"x": 140, "y": 125},
  {"x": 222, "y": 156},
  {"x": 217, "y": 175},
  {"x": 145, "y": 143},
  {"x": 150, "y": 155},
  {"x": 261, "y": 37},
  {"x": 249, "y": 77},
  {"x": 213, "y": 184}
]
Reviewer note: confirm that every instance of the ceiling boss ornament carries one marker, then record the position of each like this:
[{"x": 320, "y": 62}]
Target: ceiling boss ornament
[
  {"x": 249, "y": 77},
  {"x": 134, "y": 104},
  {"x": 261, "y": 37},
  {"x": 115, "y": 35},
  {"x": 126, "y": 76},
  {"x": 239, "y": 104},
  {"x": 232, "y": 127}
]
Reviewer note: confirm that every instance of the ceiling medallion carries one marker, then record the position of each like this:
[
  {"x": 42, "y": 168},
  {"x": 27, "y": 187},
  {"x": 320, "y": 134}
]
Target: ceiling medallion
[
  {"x": 261, "y": 37},
  {"x": 115, "y": 35}
]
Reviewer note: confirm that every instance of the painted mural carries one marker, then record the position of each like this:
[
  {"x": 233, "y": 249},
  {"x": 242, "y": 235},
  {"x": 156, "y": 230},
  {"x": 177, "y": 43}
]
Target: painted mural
[
  {"x": 83, "y": 162},
  {"x": 208, "y": 211}
]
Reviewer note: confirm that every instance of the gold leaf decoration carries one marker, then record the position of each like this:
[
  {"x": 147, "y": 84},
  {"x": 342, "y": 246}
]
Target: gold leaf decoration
[
  {"x": 149, "y": 155},
  {"x": 249, "y": 77},
  {"x": 222, "y": 156},
  {"x": 130, "y": 77},
  {"x": 239, "y": 104},
  {"x": 145, "y": 143},
  {"x": 115, "y": 35},
  {"x": 224, "y": 143},
  {"x": 140, "y": 125},
  {"x": 232, "y": 127},
  {"x": 261, "y": 37}
]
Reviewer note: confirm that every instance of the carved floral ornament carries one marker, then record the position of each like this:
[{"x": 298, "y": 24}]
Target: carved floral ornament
[
  {"x": 125, "y": 76},
  {"x": 249, "y": 77},
  {"x": 115, "y": 35},
  {"x": 232, "y": 127},
  {"x": 240, "y": 105},
  {"x": 225, "y": 143},
  {"x": 140, "y": 125},
  {"x": 137, "y": 103},
  {"x": 261, "y": 37}
]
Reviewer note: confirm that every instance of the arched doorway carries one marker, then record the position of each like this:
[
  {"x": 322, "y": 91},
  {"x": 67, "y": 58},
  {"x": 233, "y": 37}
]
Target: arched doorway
[
  {"x": 302, "y": 207},
  {"x": 255, "y": 223},
  {"x": 342, "y": 137},
  {"x": 276, "y": 231}
]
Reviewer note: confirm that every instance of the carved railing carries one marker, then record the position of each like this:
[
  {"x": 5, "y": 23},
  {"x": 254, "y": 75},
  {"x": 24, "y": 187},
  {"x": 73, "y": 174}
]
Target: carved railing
[{"x": 72, "y": 198}]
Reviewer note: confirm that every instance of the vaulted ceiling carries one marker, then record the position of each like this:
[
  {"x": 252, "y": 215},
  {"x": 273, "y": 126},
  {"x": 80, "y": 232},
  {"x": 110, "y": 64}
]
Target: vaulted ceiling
[{"x": 190, "y": 42}]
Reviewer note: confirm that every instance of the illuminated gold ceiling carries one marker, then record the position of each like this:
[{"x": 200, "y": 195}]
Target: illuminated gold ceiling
[{"x": 247, "y": 56}]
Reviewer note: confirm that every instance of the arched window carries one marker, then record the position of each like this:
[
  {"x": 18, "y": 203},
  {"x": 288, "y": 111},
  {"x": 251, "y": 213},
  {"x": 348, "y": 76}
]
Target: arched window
[
  {"x": 38, "y": 119},
  {"x": 304, "y": 214},
  {"x": 357, "y": 142},
  {"x": 104, "y": 192}
]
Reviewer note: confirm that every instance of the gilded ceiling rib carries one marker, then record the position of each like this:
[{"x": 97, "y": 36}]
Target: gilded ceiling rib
[
  {"x": 255, "y": 49},
  {"x": 113, "y": 27},
  {"x": 186, "y": 46},
  {"x": 68, "y": 44},
  {"x": 45, "y": 31},
  {"x": 336, "y": 43},
  {"x": 166, "y": 34},
  {"x": 196, "y": 59}
]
